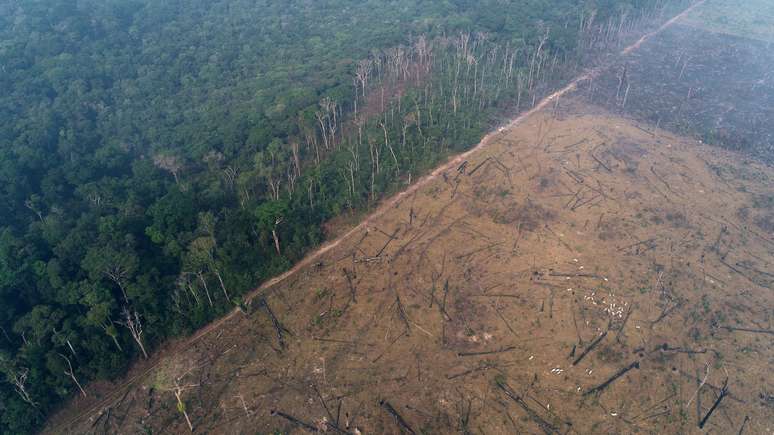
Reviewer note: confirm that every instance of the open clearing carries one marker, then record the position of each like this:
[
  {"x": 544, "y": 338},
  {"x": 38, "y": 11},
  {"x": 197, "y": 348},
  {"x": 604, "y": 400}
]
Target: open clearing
[
  {"x": 579, "y": 237},
  {"x": 702, "y": 78}
]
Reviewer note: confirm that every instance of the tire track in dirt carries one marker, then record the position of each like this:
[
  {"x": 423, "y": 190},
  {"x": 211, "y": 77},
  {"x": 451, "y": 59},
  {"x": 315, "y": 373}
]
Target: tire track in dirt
[{"x": 381, "y": 210}]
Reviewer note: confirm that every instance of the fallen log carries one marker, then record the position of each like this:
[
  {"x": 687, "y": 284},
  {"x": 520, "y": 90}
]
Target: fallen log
[
  {"x": 485, "y": 366},
  {"x": 324, "y": 427},
  {"x": 392, "y": 237},
  {"x": 278, "y": 327},
  {"x": 757, "y": 331},
  {"x": 634, "y": 245},
  {"x": 479, "y": 165},
  {"x": 744, "y": 423},
  {"x": 294, "y": 420},
  {"x": 723, "y": 393},
  {"x": 398, "y": 419},
  {"x": 666, "y": 348},
  {"x": 487, "y": 352},
  {"x": 352, "y": 289},
  {"x": 590, "y": 347},
  {"x": 623, "y": 324},
  {"x": 476, "y": 251},
  {"x": 618, "y": 374},
  {"x": 547, "y": 427},
  {"x": 600, "y": 162}
]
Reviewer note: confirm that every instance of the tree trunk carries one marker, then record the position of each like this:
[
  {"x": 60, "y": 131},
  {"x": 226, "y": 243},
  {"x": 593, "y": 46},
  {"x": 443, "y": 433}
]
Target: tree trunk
[
  {"x": 116, "y": 343},
  {"x": 206, "y": 289},
  {"x": 276, "y": 240},
  {"x": 70, "y": 345},
  {"x": 181, "y": 408},
  {"x": 139, "y": 343},
  {"x": 222, "y": 286}
]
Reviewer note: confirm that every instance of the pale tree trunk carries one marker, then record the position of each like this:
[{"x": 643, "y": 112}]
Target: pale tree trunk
[
  {"x": 181, "y": 407},
  {"x": 71, "y": 374},
  {"x": 274, "y": 235},
  {"x": 72, "y": 349},
  {"x": 204, "y": 283},
  {"x": 294, "y": 147},
  {"x": 106, "y": 328},
  {"x": 292, "y": 176},
  {"x": 133, "y": 324},
  {"x": 19, "y": 379},
  {"x": 389, "y": 147},
  {"x": 222, "y": 286}
]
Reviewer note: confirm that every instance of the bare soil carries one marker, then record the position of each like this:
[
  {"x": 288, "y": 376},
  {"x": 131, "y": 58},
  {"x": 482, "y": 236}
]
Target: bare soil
[{"x": 578, "y": 237}]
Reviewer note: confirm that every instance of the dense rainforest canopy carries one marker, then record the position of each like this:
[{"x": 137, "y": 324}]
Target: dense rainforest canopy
[{"x": 158, "y": 159}]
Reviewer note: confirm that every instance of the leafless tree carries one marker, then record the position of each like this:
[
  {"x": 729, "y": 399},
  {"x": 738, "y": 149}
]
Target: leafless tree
[
  {"x": 292, "y": 176},
  {"x": 229, "y": 175},
  {"x": 134, "y": 325},
  {"x": 110, "y": 331},
  {"x": 327, "y": 120},
  {"x": 363, "y": 72},
  {"x": 295, "y": 149},
  {"x": 389, "y": 147},
  {"x": 32, "y": 204},
  {"x": 71, "y": 373},
  {"x": 274, "y": 235},
  {"x": 178, "y": 391},
  {"x": 200, "y": 275},
  {"x": 18, "y": 378},
  {"x": 169, "y": 163},
  {"x": 118, "y": 272},
  {"x": 62, "y": 338}
]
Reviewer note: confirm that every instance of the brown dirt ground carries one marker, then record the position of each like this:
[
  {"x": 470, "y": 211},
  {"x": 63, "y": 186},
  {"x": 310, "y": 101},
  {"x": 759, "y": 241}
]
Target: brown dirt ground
[{"x": 575, "y": 225}]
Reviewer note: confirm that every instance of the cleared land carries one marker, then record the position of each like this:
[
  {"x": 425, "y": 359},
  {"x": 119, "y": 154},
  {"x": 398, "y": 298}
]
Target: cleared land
[
  {"x": 576, "y": 238},
  {"x": 711, "y": 85},
  {"x": 587, "y": 272}
]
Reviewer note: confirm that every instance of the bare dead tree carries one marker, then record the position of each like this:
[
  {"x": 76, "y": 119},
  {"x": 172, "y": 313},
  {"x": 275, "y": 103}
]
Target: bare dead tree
[
  {"x": 363, "y": 72},
  {"x": 374, "y": 165},
  {"x": 134, "y": 325},
  {"x": 110, "y": 331},
  {"x": 229, "y": 175},
  {"x": 241, "y": 398},
  {"x": 71, "y": 373},
  {"x": 118, "y": 272},
  {"x": 18, "y": 378},
  {"x": 169, "y": 163},
  {"x": 292, "y": 176},
  {"x": 178, "y": 391},
  {"x": 389, "y": 147},
  {"x": 200, "y": 275},
  {"x": 30, "y": 204},
  {"x": 327, "y": 120},
  {"x": 59, "y": 335},
  {"x": 184, "y": 283},
  {"x": 274, "y": 235},
  {"x": 295, "y": 149}
]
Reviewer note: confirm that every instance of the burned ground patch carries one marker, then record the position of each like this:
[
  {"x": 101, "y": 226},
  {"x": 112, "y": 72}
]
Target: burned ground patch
[{"x": 714, "y": 86}]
